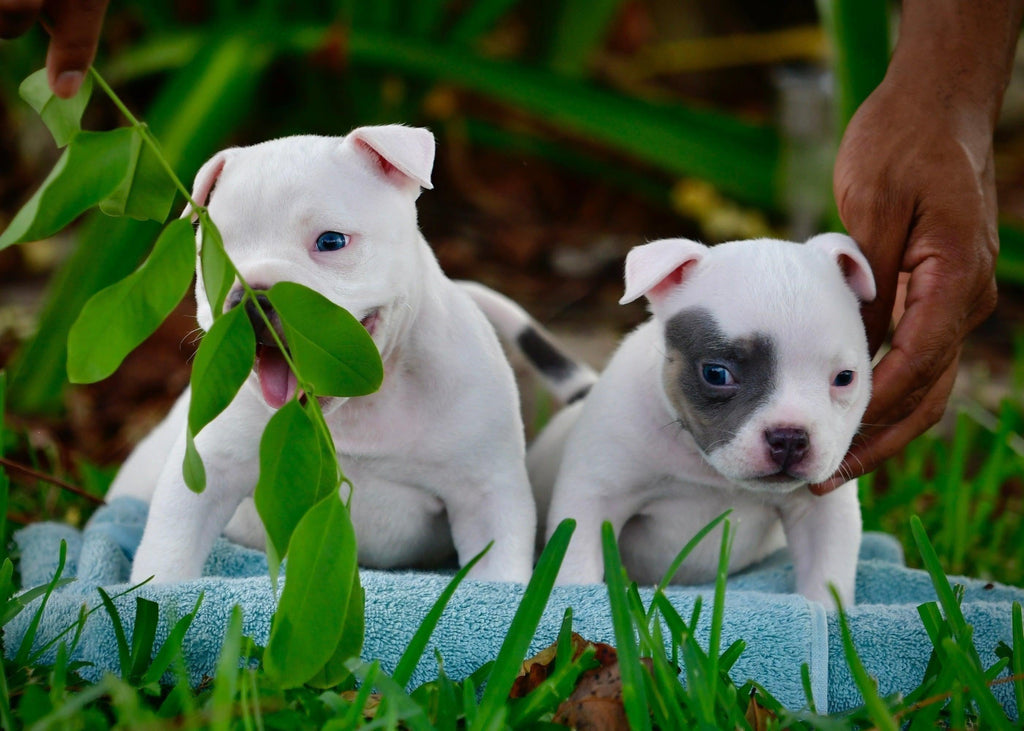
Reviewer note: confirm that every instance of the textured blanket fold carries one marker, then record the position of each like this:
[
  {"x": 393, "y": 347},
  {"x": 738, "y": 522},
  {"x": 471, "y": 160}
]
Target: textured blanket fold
[{"x": 781, "y": 630}]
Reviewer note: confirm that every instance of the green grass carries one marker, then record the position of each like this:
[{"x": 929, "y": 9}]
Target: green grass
[{"x": 653, "y": 641}]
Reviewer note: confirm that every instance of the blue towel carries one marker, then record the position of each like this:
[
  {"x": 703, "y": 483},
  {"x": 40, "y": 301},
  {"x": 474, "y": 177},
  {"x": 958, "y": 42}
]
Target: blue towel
[{"x": 781, "y": 630}]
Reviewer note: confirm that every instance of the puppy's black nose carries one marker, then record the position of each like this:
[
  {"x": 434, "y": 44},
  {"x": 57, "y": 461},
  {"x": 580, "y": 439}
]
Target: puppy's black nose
[
  {"x": 259, "y": 325},
  {"x": 787, "y": 446},
  {"x": 233, "y": 299}
]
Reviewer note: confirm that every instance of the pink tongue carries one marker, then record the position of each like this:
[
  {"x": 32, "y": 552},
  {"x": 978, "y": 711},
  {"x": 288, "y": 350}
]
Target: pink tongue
[{"x": 276, "y": 380}]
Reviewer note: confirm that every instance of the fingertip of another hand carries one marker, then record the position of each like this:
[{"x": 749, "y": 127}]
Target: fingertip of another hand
[
  {"x": 823, "y": 488},
  {"x": 67, "y": 83}
]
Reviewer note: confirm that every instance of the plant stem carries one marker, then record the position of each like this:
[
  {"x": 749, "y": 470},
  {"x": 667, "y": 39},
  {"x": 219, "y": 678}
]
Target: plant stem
[{"x": 205, "y": 219}]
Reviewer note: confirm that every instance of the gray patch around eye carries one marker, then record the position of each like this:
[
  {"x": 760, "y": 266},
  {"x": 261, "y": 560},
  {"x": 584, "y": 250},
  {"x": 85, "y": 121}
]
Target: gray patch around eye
[{"x": 712, "y": 415}]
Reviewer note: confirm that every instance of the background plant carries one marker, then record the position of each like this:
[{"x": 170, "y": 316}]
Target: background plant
[{"x": 398, "y": 60}]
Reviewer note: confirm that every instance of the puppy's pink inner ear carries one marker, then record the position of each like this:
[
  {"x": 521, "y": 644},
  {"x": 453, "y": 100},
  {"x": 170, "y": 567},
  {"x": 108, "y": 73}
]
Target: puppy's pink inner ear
[
  {"x": 670, "y": 282},
  {"x": 860, "y": 281},
  {"x": 205, "y": 188},
  {"x": 386, "y": 167}
]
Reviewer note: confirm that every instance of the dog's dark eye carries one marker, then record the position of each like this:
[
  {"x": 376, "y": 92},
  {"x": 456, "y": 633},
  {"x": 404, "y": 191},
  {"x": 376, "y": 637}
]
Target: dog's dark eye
[
  {"x": 717, "y": 375},
  {"x": 331, "y": 241},
  {"x": 843, "y": 379}
]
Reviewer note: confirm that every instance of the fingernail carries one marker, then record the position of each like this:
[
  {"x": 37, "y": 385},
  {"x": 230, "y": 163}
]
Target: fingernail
[{"x": 67, "y": 84}]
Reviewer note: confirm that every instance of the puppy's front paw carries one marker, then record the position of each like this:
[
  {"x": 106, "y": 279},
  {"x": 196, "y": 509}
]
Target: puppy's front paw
[{"x": 823, "y": 595}]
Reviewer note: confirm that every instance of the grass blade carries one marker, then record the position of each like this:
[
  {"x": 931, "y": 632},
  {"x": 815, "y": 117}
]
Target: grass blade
[
  {"x": 874, "y": 704},
  {"x": 30, "y": 634},
  {"x": 1018, "y": 658},
  {"x": 524, "y": 625},
  {"x": 147, "y": 613},
  {"x": 688, "y": 549},
  {"x": 958, "y": 625},
  {"x": 124, "y": 652},
  {"x": 991, "y": 711},
  {"x": 172, "y": 646},
  {"x": 225, "y": 684},
  {"x": 418, "y": 644},
  {"x": 634, "y": 682}
]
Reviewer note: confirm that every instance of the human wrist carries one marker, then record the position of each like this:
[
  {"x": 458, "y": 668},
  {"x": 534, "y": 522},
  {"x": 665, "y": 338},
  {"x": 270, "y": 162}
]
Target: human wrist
[{"x": 954, "y": 57}]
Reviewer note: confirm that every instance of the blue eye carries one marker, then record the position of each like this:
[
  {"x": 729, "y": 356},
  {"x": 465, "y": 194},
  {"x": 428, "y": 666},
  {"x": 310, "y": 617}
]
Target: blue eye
[
  {"x": 331, "y": 241},
  {"x": 843, "y": 379},
  {"x": 717, "y": 375}
]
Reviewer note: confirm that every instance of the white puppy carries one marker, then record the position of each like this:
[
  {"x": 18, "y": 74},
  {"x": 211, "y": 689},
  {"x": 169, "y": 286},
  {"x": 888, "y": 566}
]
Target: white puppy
[
  {"x": 436, "y": 456},
  {"x": 747, "y": 384}
]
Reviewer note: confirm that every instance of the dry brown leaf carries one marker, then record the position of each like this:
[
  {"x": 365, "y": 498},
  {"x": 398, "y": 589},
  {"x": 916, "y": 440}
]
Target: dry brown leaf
[{"x": 757, "y": 715}]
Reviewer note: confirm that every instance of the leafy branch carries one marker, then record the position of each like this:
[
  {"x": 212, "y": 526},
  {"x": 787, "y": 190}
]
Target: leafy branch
[{"x": 124, "y": 172}]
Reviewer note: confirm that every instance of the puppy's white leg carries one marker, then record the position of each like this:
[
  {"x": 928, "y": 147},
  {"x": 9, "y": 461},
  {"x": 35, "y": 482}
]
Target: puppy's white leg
[
  {"x": 502, "y": 511},
  {"x": 183, "y": 525},
  {"x": 590, "y": 500},
  {"x": 824, "y": 536}
]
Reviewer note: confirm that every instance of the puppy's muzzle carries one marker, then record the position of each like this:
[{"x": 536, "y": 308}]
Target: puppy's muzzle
[
  {"x": 787, "y": 446},
  {"x": 259, "y": 321}
]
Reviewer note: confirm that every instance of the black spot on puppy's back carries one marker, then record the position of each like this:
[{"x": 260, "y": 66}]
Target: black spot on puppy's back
[{"x": 714, "y": 414}]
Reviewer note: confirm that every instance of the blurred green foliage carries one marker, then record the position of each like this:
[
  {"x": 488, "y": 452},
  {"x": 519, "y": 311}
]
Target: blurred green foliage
[{"x": 208, "y": 76}]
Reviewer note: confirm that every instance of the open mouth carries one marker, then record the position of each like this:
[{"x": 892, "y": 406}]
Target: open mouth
[
  {"x": 370, "y": 320},
  {"x": 277, "y": 382}
]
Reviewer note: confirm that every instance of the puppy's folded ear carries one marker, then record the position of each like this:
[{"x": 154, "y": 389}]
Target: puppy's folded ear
[
  {"x": 404, "y": 155},
  {"x": 655, "y": 269},
  {"x": 853, "y": 264},
  {"x": 206, "y": 180}
]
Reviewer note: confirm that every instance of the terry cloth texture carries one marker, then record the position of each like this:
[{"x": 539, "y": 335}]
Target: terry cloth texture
[{"x": 781, "y": 629}]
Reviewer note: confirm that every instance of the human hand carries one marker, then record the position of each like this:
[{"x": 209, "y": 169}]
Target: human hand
[
  {"x": 915, "y": 188},
  {"x": 74, "y": 28}
]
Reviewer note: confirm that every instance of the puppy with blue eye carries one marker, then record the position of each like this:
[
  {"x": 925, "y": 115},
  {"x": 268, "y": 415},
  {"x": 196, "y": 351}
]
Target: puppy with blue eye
[
  {"x": 746, "y": 384},
  {"x": 436, "y": 456}
]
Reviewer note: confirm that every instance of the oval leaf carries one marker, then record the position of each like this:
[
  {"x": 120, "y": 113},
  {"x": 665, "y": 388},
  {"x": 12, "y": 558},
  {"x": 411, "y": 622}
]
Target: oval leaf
[
  {"x": 331, "y": 349},
  {"x": 223, "y": 362},
  {"x": 218, "y": 273},
  {"x": 312, "y": 615},
  {"x": 192, "y": 468},
  {"x": 289, "y": 473},
  {"x": 117, "y": 319},
  {"x": 101, "y": 158},
  {"x": 147, "y": 191},
  {"x": 352, "y": 635},
  {"x": 63, "y": 117}
]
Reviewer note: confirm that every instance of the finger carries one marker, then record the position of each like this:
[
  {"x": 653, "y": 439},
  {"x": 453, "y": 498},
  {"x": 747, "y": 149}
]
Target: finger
[
  {"x": 867, "y": 454},
  {"x": 74, "y": 34},
  {"x": 924, "y": 344},
  {"x": 17, "y": 16}
]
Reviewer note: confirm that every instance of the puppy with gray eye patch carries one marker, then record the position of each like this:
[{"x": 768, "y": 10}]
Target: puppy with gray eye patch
[{"x": 747, "y": 384}]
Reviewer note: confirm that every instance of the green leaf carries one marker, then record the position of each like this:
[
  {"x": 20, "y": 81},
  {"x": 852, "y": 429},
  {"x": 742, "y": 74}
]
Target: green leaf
[
  {"x": 117, "y": 319},
  {"x": 217, "y": 270},
  {"x": 331, "y": 349},
  {"x": 192, "y": 468},
  {"x": 289, "y": 473},
  {"x": 147, "y": 192},
  {"x": 63, "y": 117},
  {"x": 102, "y": 158},
  {"x": 313, "y": 612},
  {"x": 335, "y": 669},
  {"x": 192, "y": 113},
  {"x": 223, "y": 362}
]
